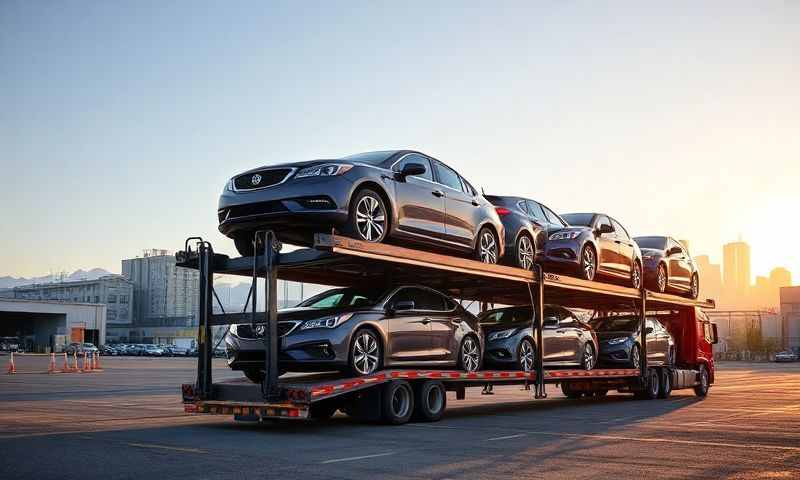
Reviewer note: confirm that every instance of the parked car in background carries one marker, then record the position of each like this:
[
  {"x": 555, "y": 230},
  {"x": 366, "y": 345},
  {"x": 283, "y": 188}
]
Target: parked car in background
[
  {"x": 619, "y": 341},
  {"x": 177, "y": 351},
  {"x": 594, "y": 244},
  {"x": 151, "y": 350},
  {"x": 9, "y": 344},
  {"x": 108, "y": 350},
  {"x": 668, "y": 266},
  {"x": 527, "y": 224},
  {"x": 510, "y": 341},
  {"x": 375, "y": 196},
  {"x": 80, "y": 348},
  {"x": 785, "y": 356},
  {"x": 361, "y": 330}
]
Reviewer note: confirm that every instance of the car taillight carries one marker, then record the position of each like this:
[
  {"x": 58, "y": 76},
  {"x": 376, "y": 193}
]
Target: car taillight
[{"x": 502, "y": 211}]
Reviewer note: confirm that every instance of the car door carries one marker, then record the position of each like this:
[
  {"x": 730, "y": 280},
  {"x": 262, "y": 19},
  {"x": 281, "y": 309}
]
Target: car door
[
  {"x": 625, "y": 249},
  {"x": 679, "y": 268},
  {"x": 655, "y": 346},
  {"x": 446, "y": 318},
  {"x": 409, "y": 331},
  {"x": 419, "y": 201},
  {"x": 558, "y": 344},
  {"x": 608, "y": 248},
  {"x": 460, "y": 207},
  {"x": 571, "y": 335}
]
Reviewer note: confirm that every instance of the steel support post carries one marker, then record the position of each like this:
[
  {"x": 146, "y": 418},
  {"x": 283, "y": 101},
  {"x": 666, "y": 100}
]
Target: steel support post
[
  {"x": 204, "y": 337},
  {"x": 643, "y": 336},
  {"x": 537, "y": 302},
  {"x": 270, "y": 385}
]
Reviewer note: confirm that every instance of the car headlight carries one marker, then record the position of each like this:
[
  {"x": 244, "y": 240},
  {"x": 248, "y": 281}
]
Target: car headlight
[
  {"x": 326, "y": 322},
  {"x": 229, "y": 187},
  {"x": 327, "y": 170},
  {"x": 233, "y": 329},
  {"x": 565, "y": 235},
  {"x": 502, "y": 334},
  {"x": 618, "y": 340}
]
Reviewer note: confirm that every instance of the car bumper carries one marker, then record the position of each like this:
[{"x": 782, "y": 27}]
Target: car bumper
[
  {"x": 502, "y": 352},
  {"x": 316, "y": 203},
  {"x": 614, "y": 354},
  {"x": 561, "y": 255}
]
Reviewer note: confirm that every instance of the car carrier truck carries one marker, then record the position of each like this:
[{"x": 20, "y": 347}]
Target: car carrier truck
[{"x": 396, "y": 396}]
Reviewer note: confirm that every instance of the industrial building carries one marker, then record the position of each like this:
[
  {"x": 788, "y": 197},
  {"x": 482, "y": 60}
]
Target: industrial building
[
  {"x": 46, "y": 325},
  {"x": 790, "y": 317}
]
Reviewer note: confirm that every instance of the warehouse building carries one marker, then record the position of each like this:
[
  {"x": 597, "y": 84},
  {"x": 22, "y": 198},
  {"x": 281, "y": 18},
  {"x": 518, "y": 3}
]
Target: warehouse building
[{"x": 45, "y": 325}]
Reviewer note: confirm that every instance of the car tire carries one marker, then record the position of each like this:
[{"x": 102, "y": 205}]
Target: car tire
[
  {"x": 526, "y": 252},
  {"x": 369, "y": 217},
  {"x": 568, "y": 392},
  {"x": 255, "y": 375},
  {"x": 665, "y": 389},
  {"x": 694, "y": 287},
  {"x": 397, "y": 404},
  {"x": 526, "y": 355},
  {"x": 636, "y": 275},
  {"x": 661, "y": 278},
  {"x": 487, "y": 248},
  {"x": 670, "y": 360},
  {"x": 365, "y": 345},
  {"x": 701, "y": 389},
  {"x": 430, "y": 401},
  {"x": 635, "y": 359},
  {"x": 588, "y": 265},
  {"x": 244, "y": 245},
  {"x": 469, "y": 354},
  {"x": 588, "y": 357}
]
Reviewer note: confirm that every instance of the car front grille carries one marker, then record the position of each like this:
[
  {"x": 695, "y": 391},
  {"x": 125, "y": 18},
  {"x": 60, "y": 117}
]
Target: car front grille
[
  {"x": 258, "y": 208},
  {"x": 245, "y": 330},
  {"x": 261, "y": 178}
]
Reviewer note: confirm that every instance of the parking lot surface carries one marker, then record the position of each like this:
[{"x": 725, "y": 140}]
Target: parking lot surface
[{"x": 128, "y": 422}]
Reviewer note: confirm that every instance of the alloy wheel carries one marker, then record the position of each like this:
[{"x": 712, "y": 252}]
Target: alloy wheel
[
  {"x": 470, "y": 354},
  {"x": 695, "y": 287},
  {"x": 661, "y": 278},
  {"x": 487, "y": 248},
  {"x": 370, "y": 219},
  {"x": 365, "y": 353},
  {"x": 636, "y": 275},
  {"x": 588, "y": 357},
  {"x": 588, "y": 263},
  {"x": 526, "y": 355},
  {"x": 525, "y": 252},
  {"x": 635, "y": 360}
]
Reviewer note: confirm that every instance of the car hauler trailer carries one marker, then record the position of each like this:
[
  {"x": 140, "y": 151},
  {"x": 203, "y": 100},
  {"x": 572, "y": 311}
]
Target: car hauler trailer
[{"x": 395, "y": 395}]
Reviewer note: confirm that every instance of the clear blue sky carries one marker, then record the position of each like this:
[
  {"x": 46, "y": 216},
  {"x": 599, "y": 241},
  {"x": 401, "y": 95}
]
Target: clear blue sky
[{"x": 121, "y": 121}]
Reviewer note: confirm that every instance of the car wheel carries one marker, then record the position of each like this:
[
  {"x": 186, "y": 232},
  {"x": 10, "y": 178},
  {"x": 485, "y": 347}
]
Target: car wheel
[
  {"x": 369, "y": 220},
  {"x": 244, "y": 245},
  {"x": 701, "y": 389},
  {"x": 469, "y": 355},
  {"x": 635, "y": 357},
  {"x": 588, "y": 359},
  {"x": 254, "y": 375},
  {"x": 525, "y": 252},
  {"x": 670, "y": 360},
  {"x": 636, "y": 275},
  {"x": 487, "y": 250},
  {"x": 526, "y": 353},
  {"x": 661, "y": 278},
  {"x": 588, "y": 263},
  {"x": 666, "y": 384},
  {"x": 430, "y": 401},
  {"x": 694, "y": 287},
  {"x": 398, "y": 402},
  {"x": 365, "y": 353}
]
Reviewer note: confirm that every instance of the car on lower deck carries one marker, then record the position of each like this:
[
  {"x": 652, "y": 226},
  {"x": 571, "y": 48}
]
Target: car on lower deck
[
  {"x": 668, "y": 267},
  {"x": 594, "y": 245},
  {"x": 527, "y": 224},
  {"x": 509, "y": 338},
  {"x": 620, "y": 345},
  {"x": 395, "y": 195},
  {"x": 360, "y": 330}
]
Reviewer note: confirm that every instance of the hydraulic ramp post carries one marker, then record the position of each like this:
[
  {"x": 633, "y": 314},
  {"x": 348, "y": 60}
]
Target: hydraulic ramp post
[
  {"x": 204, "y": 337},
  {"x": 537, "y": 304},
  {"x": 270, "y": 255}
]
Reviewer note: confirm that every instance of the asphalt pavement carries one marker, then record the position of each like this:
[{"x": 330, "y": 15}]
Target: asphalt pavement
[{"x": 128, "y": 422}]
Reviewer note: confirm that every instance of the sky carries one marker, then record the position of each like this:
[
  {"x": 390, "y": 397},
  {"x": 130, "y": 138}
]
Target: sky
[{"x": 122, "y": 121}]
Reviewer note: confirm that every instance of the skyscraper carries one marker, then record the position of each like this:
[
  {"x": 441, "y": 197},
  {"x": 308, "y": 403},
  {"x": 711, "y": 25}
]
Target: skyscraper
[
  {"x": 780, "y": 277},
  {"x": 710, "y": 278},
  {"x": 736, "y": 267}
]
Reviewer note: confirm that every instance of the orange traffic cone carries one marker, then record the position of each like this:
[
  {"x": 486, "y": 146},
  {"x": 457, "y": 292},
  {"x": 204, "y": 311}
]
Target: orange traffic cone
[
  {"x": 65, "y": 368},
  {"x": 12, "y": 368},
  {"x": 85, "y": 368},
  {"x": 75, "y": 362},
  {"x": 52, "y": 367},
  {"x": 96, "y": 364}
]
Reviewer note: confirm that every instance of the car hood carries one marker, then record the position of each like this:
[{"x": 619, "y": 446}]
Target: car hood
[
  {"x": 571, "y": 229},
  {"x": 298, "y": 165},
  {"x": 602, "y": 336},
  {"x": 496, "y": 327},
  {"x": 308, "y": 313}
]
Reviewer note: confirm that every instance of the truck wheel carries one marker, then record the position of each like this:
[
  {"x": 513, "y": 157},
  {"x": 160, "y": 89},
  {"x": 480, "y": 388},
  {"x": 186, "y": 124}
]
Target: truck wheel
[
  {"x": 568, "y": 392},
  {"x": 701, "y": 389},
  {"x": 652, "y": 386},
  {"x": 430, "y": 401},
  {"x": 397, "y": 402},
  {"x": 666, "y": 384}
]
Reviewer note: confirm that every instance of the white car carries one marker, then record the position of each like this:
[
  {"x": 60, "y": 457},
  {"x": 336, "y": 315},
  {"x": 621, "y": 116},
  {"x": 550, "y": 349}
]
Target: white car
[{"x": 786, "y": 356}]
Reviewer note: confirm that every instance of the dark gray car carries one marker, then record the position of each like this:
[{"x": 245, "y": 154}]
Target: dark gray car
[
  {"x": 374, "y": 196},
  {"x": 619, "y": 341},
  {"x": 510, "y": 340},
  {"x": 361, "y": 330}
]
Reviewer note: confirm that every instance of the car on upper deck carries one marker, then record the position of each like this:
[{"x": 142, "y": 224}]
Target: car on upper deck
[
  {"x": 398, "y": 195},
  {"x": 668, "y": 267}
]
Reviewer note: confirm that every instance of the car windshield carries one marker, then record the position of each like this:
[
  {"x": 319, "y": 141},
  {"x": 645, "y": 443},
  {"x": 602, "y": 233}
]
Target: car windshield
[
  {"x": 89, "y": 345},
  {"x": 659, "y": 243},
  {"x": 507, "y": 315},
  {"x": 345, "y": 297},
  {"x": 372, "y": 158},
  {"x": 615, "y": 324},
  {"x": 579, "y": 219}
]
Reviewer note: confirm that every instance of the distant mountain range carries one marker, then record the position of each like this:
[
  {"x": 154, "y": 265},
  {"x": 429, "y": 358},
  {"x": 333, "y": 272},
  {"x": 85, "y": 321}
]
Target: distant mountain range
[{"x": 77, "y": 275}]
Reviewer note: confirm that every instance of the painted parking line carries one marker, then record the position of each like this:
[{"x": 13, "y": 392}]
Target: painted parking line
[
  {"x": 507, "y": 437},
  {"x": 672, "y": 441},
  {"x": 351, "y": 459},
  {"x": 166, "y": 447}
]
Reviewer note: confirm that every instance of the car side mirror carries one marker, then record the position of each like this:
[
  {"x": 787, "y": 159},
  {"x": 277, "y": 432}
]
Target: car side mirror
[
  {"x": 715, "y": 336},
  {"x": 403, "y": 305},
  {"x": 648, "y": 330},
  {"x": 605, "y": 228},
  {"x": 412, "y": 169},
  {"x": 550, "y": 322}
]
